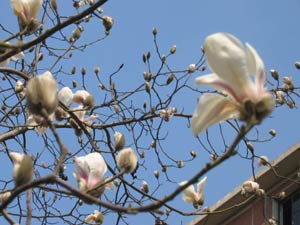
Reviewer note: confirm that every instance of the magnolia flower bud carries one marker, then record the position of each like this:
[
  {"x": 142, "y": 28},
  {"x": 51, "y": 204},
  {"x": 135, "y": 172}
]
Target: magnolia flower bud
[
  {"x": 23, "y": 168},
  {"x": 147, "y": 87},
  {"x": 297, "y": 65},
  {"x": 170, "y": 78},
  {"x": 263, "y": 161},
  {"x": 154, "y": 31},
  {"x": 274, "y": 74},
  {"x": 173, "y": 49},
  {"x": 156, "y": 174},
  {"x": 19, "y": 86},
  {"x": 145, "y": 187},
  {"x": 272, "y": 132},
  {"x": 287, "y": 80},
  {"x": 53, "y": 4},
  {"x": 107, "y": 22},
  {"x": 84, "y": 97},
  {"x": 4, "y": 196},
  {"x": 96, "y": 70},
  {"x": 191, "y": 68},
  {"x": 119, "y": 141},
  {"x": 127, "y": 160},
  {"x": 180, "y": 163},
  {"x": 41, "y": 94}
]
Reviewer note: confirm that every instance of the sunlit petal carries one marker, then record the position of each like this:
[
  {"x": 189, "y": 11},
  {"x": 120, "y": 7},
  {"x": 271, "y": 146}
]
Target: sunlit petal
[
  {"x": 256, "y": 67},
  {"x": 212, "y": 108},
  {"x": 213, "y": 80},
  {"x": 200, "y": 185},
  {"x": 226, "y": 57}
]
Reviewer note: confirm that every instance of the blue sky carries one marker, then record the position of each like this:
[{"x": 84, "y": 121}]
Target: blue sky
[{"x": 272, "y": 27}]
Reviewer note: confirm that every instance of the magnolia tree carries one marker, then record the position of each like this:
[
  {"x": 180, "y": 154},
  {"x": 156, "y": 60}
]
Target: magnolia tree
[{"x": 74, "y": 157}]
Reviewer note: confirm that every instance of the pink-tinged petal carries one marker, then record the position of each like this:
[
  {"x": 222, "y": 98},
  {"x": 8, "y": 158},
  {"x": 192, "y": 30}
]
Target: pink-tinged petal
[
  {"x": 82, "y": 168},
  {"x": 256, "y": 67},
  {"x": 80, "y": 96},
  {"x": 200, "y": 186},
  {"x": 213, "y": 80},
  {"x": 211, "y": 109},
  {"x": 226, "y": 57}
]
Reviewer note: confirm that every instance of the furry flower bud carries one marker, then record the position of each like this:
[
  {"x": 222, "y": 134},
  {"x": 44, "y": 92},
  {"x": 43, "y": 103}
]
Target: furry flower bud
[
  {"x": 41, "y": 94},
  {"x": 127, "y": 160},
  {"x": 119, "y": 140},
  {"x": 23, "y": 168}
]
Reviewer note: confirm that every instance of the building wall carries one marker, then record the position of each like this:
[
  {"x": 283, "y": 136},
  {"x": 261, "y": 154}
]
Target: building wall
[{"x": 255, "y": 214}]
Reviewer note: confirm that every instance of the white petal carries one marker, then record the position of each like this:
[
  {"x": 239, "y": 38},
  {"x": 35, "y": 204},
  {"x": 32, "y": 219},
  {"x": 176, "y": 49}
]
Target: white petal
[
  {"x": 188, "y": 193},
  {"x": 34, "y": 7},
  {"x": 211, "y": 109},
  {"x": 200, "y": 185},
  {"x": 256, "y": 67},
  {"x": 226, "y": 57},
  {"x": 65, "y": 95}
]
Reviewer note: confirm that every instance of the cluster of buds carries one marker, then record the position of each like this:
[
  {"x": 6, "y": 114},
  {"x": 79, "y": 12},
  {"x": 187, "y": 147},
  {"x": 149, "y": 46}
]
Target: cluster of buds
[
  {"x": 251, "y": 187},
  {"x": 108, "y": 23},
  {"x": 167, "y": 114},
  {"x": 288, "y": 84},
  {"x": 76, "y": 34},
  {"x": 127, "y": 160}
]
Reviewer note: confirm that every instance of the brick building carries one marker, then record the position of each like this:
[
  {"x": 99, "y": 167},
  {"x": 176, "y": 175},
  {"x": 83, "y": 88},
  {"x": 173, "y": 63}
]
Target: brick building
[{"x": 273, "y": 208}]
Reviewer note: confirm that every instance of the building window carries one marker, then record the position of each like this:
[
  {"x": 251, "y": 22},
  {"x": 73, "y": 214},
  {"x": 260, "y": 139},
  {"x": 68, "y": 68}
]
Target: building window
[{"x": 289, "y": 210}]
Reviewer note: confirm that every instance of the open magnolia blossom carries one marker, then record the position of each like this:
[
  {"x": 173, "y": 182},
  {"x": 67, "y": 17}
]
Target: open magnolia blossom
[
  {"x": 27, "y": 12},
  {"x": 242, "y": 98},
  {"x": 192, "y": 196},
  {"x": 127, "y": 160},
  {"x": 96, "y": 218},
  {"x": 89, "y": 175},
  {"x": 251, "y": 187},
  {"x": 23, "y": 168}
]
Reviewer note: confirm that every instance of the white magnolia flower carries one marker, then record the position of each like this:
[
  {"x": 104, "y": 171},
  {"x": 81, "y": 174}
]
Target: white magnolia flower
[
  {"x": 41, "y": 94},
  {"x": 127, "y": 160},
  {"x": 192, "y": 196},
  {"x": 232, "y": 65},
  {"x": 26, "y": 11},
  {"x": 90, "y": 173},
  {"x": 23, "y": 168},
  {"x": 249, "y": 187},
  {"x": 96, "y": 217}
]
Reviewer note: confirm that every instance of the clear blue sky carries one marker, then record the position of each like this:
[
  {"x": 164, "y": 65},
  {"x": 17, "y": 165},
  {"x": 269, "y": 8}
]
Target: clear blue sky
[{"x": 272, "y": 27}]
